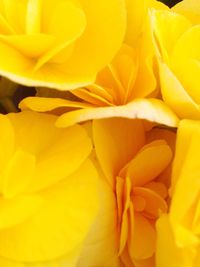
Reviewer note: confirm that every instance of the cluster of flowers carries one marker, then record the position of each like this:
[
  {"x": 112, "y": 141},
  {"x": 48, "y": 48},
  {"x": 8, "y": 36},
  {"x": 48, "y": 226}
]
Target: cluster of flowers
[{"x": 101, "y": 167}]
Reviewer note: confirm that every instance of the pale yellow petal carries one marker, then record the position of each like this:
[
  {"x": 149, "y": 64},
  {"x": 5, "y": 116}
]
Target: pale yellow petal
[{"x": 149, "y": 109}]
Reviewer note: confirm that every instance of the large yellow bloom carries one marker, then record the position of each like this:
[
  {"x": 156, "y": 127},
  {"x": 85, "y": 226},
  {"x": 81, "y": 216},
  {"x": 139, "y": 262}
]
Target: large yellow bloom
[
  {"x": 45, "y": 177},
  {"x": 120, "y": 88},
  {"x": 135, "y": 166},
  {"x": 177, "y": 35},
  {"x": 59, "y": 43},
  {"x": 179, "y": 231}
]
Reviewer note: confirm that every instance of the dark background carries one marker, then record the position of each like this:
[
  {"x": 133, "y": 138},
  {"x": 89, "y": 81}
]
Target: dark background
[{"x": 170, "y": 2}]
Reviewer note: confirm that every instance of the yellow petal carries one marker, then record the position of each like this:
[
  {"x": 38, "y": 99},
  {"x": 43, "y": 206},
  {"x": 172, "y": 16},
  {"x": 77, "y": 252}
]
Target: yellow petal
[
  {"x": 168, "y": 27},
  {"x": 101, "y": 245},
  {"x": 27, "y": 45},
  {"x": 190, "y": 9},
  {"x": 115, "y": 148},
  {"x": 143, "y": 239},
  {"x": 61, "y": 159},
  {"x": 150, "y": 109},
  {"x": 149, "y": 163},
  {"x": 154, "y": 203},
  {"x": 175, "y": 95},
  {"x": 17, "y": 174},
  {"x": 60, "y": 225},
  {"x": 15, "y": 14},
  {"x": 126, "y": 223},
  {"x": 43, "y": 104},
  {"x": 33, "y": 16},
  {"x": 65, "y": 15},
  {"x": 136, "y": 13},
  {"x": 186, "y": 188},
  {"x": 18, "y": 209},
  {"x": 82, "y": 35},
  {"x": 7, "y": 141},
  {"x": 56, "y": 156},
  {"x": 185, "y": 61},
  {"x": 167, "y": 252}
]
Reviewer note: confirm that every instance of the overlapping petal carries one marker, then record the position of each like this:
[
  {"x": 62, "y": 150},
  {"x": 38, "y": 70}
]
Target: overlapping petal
[
  {"x": 45, "y": 176},
  {"x": 46, "y": 43},
  {"x": 132, "y": 170},
  {"x": 179, "y": 230},
  {"x": 176, "y": 35}
]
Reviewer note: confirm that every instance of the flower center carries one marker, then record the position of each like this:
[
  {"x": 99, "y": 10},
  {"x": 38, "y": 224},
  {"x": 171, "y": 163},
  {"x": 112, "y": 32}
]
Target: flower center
[{"x": 115, "y": 84}]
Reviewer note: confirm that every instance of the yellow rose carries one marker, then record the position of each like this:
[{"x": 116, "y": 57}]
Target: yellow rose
[
  {"x": 179, "y": 231},
  {"x": 133, "y": 165},
  {"x": 45, "y": 178},
  {"x": 177, "y": 35},
  {"x": 59, "y": 43}
]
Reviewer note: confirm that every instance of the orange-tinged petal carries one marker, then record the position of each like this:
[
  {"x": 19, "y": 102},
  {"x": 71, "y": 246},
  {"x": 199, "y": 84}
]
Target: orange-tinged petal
[
  {"x": 149, "y": 163},
  {"x": 115, "y": 148},
  {"x": 154, "y": 203},
  {"x": 150, "y": 109},
  {"x": 143, "y": 239},
  {"x": 127, "y": 216},
  {"x": 150, "y": 262},
  {"x": 165, "y": 134},
  {"x": 55, "y": 229},
  {"x": 159, "y": 188},
  {"x": 91, "y": 97}
]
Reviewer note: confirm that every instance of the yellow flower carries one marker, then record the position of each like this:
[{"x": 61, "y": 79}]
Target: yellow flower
[
  {"x": 177, "y": 36},
  {"x": 133, "y": 163},
  {"x": 59, "y": 43},
  {"x": 120, "y": 88},
  {"x": 179, "y": 231},
  {"x": 119, "y": 91},
  {"x": 45, "y": 178}
]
